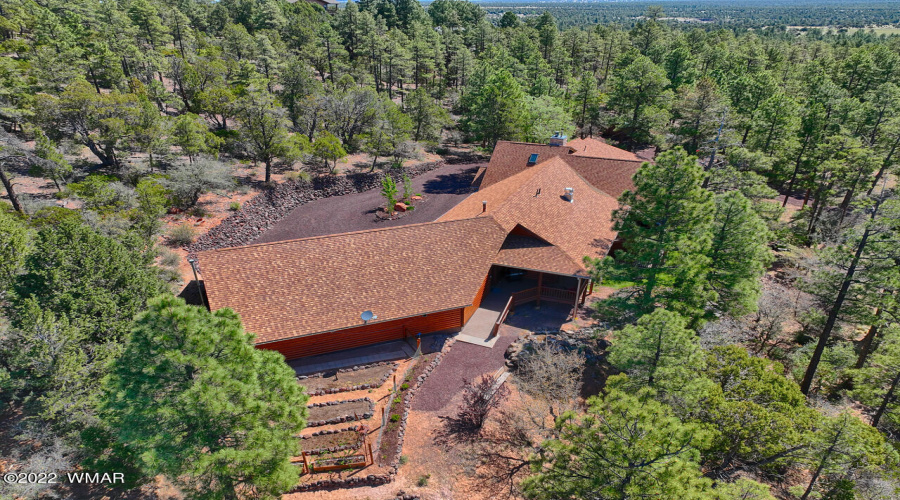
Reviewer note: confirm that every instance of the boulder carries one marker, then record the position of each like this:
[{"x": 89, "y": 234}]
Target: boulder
[{"x": 400, "y": 206}]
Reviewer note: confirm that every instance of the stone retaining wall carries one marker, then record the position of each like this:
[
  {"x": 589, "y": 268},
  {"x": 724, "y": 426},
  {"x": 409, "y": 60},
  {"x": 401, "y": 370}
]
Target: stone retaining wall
[
  {"x": 343, "y": 418},
  {"x": 374, "y": 385}
]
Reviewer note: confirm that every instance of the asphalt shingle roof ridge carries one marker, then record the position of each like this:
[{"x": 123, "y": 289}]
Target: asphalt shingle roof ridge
[{"x": 337, "y": 235}]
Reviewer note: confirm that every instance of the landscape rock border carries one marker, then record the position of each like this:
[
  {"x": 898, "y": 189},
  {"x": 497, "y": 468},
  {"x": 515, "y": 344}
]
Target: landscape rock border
[
  {"x": 408, "y": 398},
  {"x": 380, "y": 479},
  {"x": 270, "y": 206},
  {"x": 342, "y": 418},
  {"x": 359, "y": 387}
]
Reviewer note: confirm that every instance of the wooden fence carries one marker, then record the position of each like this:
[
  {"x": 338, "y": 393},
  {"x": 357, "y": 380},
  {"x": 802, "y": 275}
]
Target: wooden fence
[{"x": 352, "y": 461}]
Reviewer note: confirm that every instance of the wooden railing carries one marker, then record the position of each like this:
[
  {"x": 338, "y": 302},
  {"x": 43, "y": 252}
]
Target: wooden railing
[
  {"x": 357, "y": 460},
  {"x": 557, "y": 295},
  {"x": 546, "y": 293},
  {"x": 524, "y": 296},
  {"x": 500, "y": 319}
]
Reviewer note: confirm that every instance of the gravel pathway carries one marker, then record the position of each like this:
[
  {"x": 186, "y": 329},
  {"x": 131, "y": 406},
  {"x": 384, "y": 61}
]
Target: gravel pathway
[
  {"x": 443, "y": 188},
  {"x": 463, "y": 360}
]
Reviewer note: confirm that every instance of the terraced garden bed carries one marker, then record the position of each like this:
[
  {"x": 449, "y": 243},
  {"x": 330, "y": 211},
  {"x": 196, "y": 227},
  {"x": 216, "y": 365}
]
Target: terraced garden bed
[
  {"x": 351, "y": 438},
  {"x": 335, "y": 412},
  {"x": 348, "y": 379}
]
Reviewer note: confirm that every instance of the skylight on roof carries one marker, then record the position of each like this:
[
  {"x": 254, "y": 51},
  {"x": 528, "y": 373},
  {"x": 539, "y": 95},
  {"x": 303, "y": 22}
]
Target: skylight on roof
[{"x": 533, "y": 158}]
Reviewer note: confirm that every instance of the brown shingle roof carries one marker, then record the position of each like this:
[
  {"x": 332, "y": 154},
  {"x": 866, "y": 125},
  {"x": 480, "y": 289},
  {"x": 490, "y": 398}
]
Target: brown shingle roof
[
  {"x": 612, "y": 176},
  {"x": 596, "y": 148},
  {"x": 299, "y": 287},
  {"x": 510, "y": 158},
  {"x": 577, "y": 229},
  {"x": 524, "y": 252}
]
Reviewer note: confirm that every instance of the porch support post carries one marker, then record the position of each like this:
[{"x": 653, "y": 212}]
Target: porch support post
[
  {"x": 577, "y": 296},
  {"x": 540, "y": 281}
]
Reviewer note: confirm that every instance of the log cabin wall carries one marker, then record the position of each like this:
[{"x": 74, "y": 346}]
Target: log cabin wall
[
  {"x": 321, "y": 343},
  {"x": 476, "y": 303}
]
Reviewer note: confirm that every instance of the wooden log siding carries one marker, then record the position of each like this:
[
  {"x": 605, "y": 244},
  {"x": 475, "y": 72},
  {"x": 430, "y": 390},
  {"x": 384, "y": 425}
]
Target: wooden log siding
[
  {"x": 469, "y": 311},
  {"x": 320, "y": 343}
]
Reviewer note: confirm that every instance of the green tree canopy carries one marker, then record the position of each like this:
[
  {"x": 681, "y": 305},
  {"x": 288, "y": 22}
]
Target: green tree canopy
[
  {"x": 196, "y": 401},
  {"x": 626, "y": 446},
  {"x": 660, "y": 352},
  {"x": 738, "y": 255},
  {"x": 665, "y": 225},
  {"x": 98, "y": 283},
  {"x": 751, "y": 397}
]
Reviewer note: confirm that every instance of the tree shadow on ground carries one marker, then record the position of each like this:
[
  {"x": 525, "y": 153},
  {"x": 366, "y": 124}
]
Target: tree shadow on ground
[
  {"x": 454, "y": 431},
  {"x": 455, "y": 183}
]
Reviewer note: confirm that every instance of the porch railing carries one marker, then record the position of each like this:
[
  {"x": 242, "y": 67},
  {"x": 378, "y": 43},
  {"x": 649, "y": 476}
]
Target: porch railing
[
  {"x": 500, "y": 319},
  {"x": 546, "y": 293}
]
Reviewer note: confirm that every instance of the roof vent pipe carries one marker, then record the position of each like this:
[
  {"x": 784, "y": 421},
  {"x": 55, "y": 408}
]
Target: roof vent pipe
[
  {"x": 570, "y": 195},
  {"x": 484, "y": 206}
]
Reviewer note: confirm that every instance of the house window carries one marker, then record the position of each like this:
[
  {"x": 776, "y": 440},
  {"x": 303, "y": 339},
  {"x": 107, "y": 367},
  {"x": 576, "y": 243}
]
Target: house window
[{"x": 532, "y": 159}]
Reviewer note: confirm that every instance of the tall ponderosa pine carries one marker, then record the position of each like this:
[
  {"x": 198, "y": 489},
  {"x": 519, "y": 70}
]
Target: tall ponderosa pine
[
  {"x": 857, "y": 273},
  {"x": 497, "y": 109},
  {"x": 739, "y": 254},
  {"x": 665, "y": 225},
  {"x": 196, "y": 401}
]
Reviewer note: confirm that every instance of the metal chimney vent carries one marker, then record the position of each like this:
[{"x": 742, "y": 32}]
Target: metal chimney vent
[
  {"x": 570, "y": 195},
  {"x": 558, "y": 139}
]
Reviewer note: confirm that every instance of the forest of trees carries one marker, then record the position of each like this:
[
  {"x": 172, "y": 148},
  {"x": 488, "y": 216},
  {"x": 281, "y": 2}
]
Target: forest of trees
[
  {"x": 776, "y": 152},
  {"x": 735, "y": 14}
]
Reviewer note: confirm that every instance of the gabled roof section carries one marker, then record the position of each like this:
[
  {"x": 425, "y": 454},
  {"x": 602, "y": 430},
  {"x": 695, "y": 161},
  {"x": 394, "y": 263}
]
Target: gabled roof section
[
  {"x": 607, "y": 168},
  {"x": 524, "y": 252},
  {"x": 533, "y": 199},
  {"x": 596, "y": 148},
  {"x": 510, "y": 158},
  {"x": 299, "y": 287}
]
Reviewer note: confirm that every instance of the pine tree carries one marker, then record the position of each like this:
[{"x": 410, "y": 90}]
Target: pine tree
[
  {"x": 497, "y": 109},
  {"x": 665, "y": 225},
  {"x": 661, "y": 353},
  {"x": 224, "y": 414},
  {"x": 640, "y": 98},
  {"x": 877, "y": 384},
  {"x": 263, "y": 128},
  {"x": 626, "y": 446},
  {"x": 738, "y": 255}
]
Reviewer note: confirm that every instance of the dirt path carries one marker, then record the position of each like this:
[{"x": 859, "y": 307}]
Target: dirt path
[{"x": 443, "y": 188}]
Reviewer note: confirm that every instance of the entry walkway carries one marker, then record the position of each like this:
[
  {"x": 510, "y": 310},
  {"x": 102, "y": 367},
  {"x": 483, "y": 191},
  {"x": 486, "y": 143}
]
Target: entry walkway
[{"x": 478, "y": 330}]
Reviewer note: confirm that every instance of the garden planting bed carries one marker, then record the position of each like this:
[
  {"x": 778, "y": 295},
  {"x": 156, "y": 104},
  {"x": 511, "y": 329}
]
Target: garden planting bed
[
  {"x": 348, "y": 379},
  {"x": 390, "y": 445},
  {"x": 333, "y": 441},
  {"x": 335, "y": 412}
]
